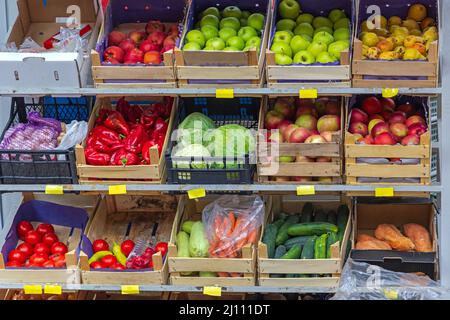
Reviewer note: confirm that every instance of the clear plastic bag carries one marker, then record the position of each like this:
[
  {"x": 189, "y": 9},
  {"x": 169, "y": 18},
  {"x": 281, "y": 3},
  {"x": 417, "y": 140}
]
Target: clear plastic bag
[
  {"x": 362, "y": 281},
  {"x": 76, "y": 132},
  {"x": 231, "y": 222},
  {"x": 29, "y": 45}
]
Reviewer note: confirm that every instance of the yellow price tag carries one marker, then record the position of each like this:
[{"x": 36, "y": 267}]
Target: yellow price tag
[
  {"x": 308, "y": 93},
  {"x": 49, "y": 189},
  {"x": 306, "y": 190},
  {"x": 130, "y": 289},
  {"x": 32, "y": 289},
  {"x": 225, "y": 93},
  {"x": 116, "y": 190},
  {"x": 196, "y": 193},
  {"x": 391, "y": 294},
  {"x": 389, "y": 92},
  {"x": 384, "y": 192},
  {"x": 52, "y": 289},
  {"x": 212, "y": 291}
]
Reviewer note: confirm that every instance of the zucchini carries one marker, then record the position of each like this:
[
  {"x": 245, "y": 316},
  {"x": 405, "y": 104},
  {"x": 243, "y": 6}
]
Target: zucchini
[
  {"x": 296, "y": 241},
  {"x": 307, "y": 213},
  {"x": 320, "y": 248},
  {"x": 280, "y": 251},
  {"x": 293, "y": 253},
  {"x": 308, "y": 248},
  {"x": 332, "y": 239},
  {"x": 320, "y": 216},
  {"x": 311, "y": 229},
  {"x": 332, "y": 217},
  {"x": 270, "y": 234},
  {"x": 282, "y": 234},
  {"x": 342, "y": 220}
]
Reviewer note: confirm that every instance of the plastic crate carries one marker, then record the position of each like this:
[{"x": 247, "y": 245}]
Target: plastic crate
[
  {"x": 43, "y": 168},
  {"x": 242, "y": 111}
]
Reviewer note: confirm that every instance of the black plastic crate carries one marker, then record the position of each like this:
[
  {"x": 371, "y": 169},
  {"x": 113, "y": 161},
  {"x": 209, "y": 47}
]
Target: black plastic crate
[
  {"x": 242, "y": 111},
  {"x": 42, "y": 167}
]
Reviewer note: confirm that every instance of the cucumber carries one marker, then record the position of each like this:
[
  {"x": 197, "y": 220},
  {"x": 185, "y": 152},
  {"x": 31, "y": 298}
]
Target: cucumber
[
  {"x": 320, "y": 248},
  {"x": 332, "y": 217},
  {"x": 296, "y": 241},
  {"x": 308, "y": 248},
  {"x": 280, "y": 251},
  {"x": 332, "y": 239},
  {"x": 282, "y": 234},
  {"x": 293, "y": 253},
  {"x": 206, "y": 274},
  {"x": 270, "y": 234},
  {"x": 311, "y": 229},
  {"x": 187, "y": 226},
  {"x": 320, "y": 216},
  {"x": 307, "y": 213},
  {"x": 278, "y": 223},
  {"x": 342, "y": 219}
]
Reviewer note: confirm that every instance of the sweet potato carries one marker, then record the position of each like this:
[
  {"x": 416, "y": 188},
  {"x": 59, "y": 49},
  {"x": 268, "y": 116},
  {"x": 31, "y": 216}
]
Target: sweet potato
[
  {"x": 364, "y": 237},
  {"x": 419, "y": 236},
  {"x": 373, "y": 245},
  {"x": 393, "y": 236}
]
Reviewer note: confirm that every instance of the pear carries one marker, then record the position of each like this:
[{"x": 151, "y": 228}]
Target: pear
[
  {"x": 365, "y": 50},
  {"x": 427, "y": 22},
  {"x": 400, "y": 50},
  {"x": 430, "y": 34},
  {"x": 417, "y": 12},
  {"x": 381, "y": 32},
  {"x": 411, "y": 54},
  {"x": 416, "y": 32},
  {"x": 373, "y": 53},
  {"x": 395, "y": 21},
  {"x": 410, "y": 24},
  {"x": 370, "y": 39},
  {"x": 388, "y": 55}
]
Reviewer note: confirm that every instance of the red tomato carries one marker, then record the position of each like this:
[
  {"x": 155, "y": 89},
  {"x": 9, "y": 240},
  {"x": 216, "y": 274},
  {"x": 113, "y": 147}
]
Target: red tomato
[
  {"x": 16, "y": 255},
  {"x": 59, "y": 248},
  {"x": 126, "y": 247},
  {"x": 14, "y": 264},
  {"x": 118, "y": 266},
  {"x": 23, "y": 227},
  {"x": 33, "y": 237},
  {"x": 59, "y": 260},
  {"x": 49, "y": 239},
  {"x": 161, "y": 247},
  {"x": 45, "y": 228},
  {"x": 100, "y": 245},
  {"x": 108, "y": 260},
  {"x": 38, "y": 259},
  {"x": 97, "y": 265},
  {"x": 48, "y": 264},
  {"x": 41, "y": 248},
  {"x": 25, "y": 248},
  {"x": 34, "y": 265}
]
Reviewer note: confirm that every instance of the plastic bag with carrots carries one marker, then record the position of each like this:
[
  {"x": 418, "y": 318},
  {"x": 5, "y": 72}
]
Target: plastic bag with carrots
[{"x": 231, "y": 222}]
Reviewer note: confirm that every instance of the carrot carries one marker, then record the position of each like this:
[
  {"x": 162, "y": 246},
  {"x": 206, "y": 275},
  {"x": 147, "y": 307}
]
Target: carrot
[
  {"x": 251, "y": 236},
  {"x": 232, "y": 220}
]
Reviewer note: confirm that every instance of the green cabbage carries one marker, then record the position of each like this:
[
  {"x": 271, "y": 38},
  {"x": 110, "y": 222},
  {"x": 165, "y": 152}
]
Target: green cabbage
[
  {"x": 192, "y": 150},
  {"x": 194, "y": 128}
]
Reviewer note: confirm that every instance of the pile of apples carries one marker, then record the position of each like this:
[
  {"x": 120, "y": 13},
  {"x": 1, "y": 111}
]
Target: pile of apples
[
  {"x": 141, "y": 46},
  {"x": 395, "y": 38},
  {"x": 229, "y": 30},
  {"x": 294, "y": 120},
  {"x": 382, "y": 122},
  {"x": 301, "y": 38}
]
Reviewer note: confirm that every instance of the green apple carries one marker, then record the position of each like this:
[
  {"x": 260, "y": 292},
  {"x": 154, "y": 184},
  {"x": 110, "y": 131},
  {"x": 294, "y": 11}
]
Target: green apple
[
  {"x": 336, "y": 14},
  {"x": 210, "y": 32},
  {"x": 304, "y": 57},
  {"x": 231, "y": 49},
  {"x": 289, "y": 9},
  {"x": 282, "y": 59},
  {"x": 256, "y": 21},
  {"x": 306, "y": 37},
  {"x": 321, "y": 29},
  {"x": 325, "y": 57},
  {"x": 232, "y": 11},
  {"x": 196, "y": 36},
  {"x": 324, "y": 37},
  {"x": 248, "y": 48},
  {"x": 197, "y": 25},
  {"x": 245, "y": 14},
  {"x": 209, "y": 49},
  {"x": 254, "y": 42},
  {"x": 246, "y": 33},
  {"x": 227, "y": 33},
  {"x": 243, "y": 22},
  {"x": 216, "y": 43},
  {"x": 211, "y": 10},
  {"x": 317, "y": 47},
  {"x": 342, "y": 23},
  {"x": 304, "y": 28},
  {"x": 236, "y": 42},
  {"x": 299, "y": 43},
  {"x": 286, "y": 24},
  {"x": 322, "y": 22},
  {"x": 230, "y": 22},
  {"x": 282, "y": 36},
  {"x": 210, "y": 20},
  {"x": 192, "y": 46},
  {"x": 337, "y": 47},
  {"x": 305, "y": 17},
  {"x": 283, "y": 48},
  {"x": 341, "y": 34}
]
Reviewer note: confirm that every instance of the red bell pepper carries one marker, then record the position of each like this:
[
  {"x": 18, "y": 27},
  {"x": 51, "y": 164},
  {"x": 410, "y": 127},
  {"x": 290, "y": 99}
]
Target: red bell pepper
[
  {"x": 96, "y": 158},
  {"x": 116, "y": 122},
  {"x": 106, "y": 135},
  {"x": 124, "y": 158},
  {"x": 148, "y": 119},
  {"x": 156, "y": 140},
  {"x": 99, "y": 146},
  {"x": 130, "y": 113},
  {"x": 161, "y": 126},
  {"x": 102, "y": 115},
  {"x": 133, "y": 143}
]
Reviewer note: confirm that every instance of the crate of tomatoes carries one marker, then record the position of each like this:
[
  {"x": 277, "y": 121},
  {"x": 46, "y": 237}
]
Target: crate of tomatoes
[
  {"x": 43, "y": 244},
  {"x": 126, "y": 241},
  {"x": 126, "y": 140}
]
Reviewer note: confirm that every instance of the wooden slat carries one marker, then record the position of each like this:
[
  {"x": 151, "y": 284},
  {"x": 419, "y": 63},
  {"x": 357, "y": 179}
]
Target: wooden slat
[
  {"x": 395, "y": 68},
  {"x": 204, "y": 281},
  {"x": 289, "y": 85},
  {"x": 304, "y": 149},
  {"x": 124, "y": 278},
  {"x": 135, "y": 85},
  {"x": 308, "y": 73},
  {"x": 314, "y": 169},
  {"x": 118, "y": 172},
  {"x": 385, "y": 83},
  {"x": 218, "y": 73},
  {"x": 397, "y": 151},
  {"x": 133, "y": 73},
  {"x": 327, "y": 282},
  {"x": 213, "y": 58},
  {"x": 306, "y": 266},
  {"x": 387, "y": 171},
  {"x": 61, "y": 276},
  {"x": 211, "y": 265}
]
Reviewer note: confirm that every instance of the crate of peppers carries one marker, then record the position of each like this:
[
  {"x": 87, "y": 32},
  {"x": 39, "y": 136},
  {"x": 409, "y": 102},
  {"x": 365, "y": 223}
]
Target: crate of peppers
[{"x": 125, "y": 141}]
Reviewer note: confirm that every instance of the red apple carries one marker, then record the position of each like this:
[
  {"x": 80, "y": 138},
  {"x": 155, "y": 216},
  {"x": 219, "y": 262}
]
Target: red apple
[
  {"x": 155, "y": 25},
  {"x": 134, "y": 56},
  {"x": 152, "y": 57},
  {"x": 311, "y": 110},
  {"x": 408, "y": 108},
  {"x": 373, "y": 123},
  {"x": 302, "y": 103},
  {"x": 397, "y": 117},
  {"x": 115, "y": 38},
  {"x": 273, "y": 120},
  {"x": 417, "y": 129},
  {"x": 137, "y": 36},
  {"x": 358, "y": 115},
  {"x": 387, "y": 104},
  {"x": 299, "y": 135},
  {"x": 379, "y": 128},
  {"x": 321, "y": 105},
  {"x": 376, "y": 117},
  {"x": 147, "y": 46},
  {"x": 307, "y": 121},
  {"x": 372, "y": 105},
  {"x": 127, "y": 45},
  {"x": 358, "y": 128},
  {"x": 170, "y": 42},
  {"x": 315, "y": 139},
  {"x": 284, "y": 125},
  {"x": 366, "y": 140},
  {"x": 332, "y": 108},
  {"x": 415, "y": 119},
  {"x": 385, "y": 138},
  {"x": 327, "y": 135},
  {"x": 276, "y": 137},
  {"x": 329, "y": 123},
  {"x": 386, "y": 114},
  {"x": 174, "y": 31},
  {"x": 112, "y": 61},
  {"x": 115, "y": 53},
  {"x": 357, "y": 136},
  {"x": 410, "y": 140},
  {"x": 399, "y": 130},
  {"x": 157, "y": 38},
  {"x": 285, "y": 108},
  {"x": 288, "y": 131}
]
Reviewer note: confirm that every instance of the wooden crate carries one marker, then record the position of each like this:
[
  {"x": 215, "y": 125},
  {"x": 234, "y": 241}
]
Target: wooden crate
[
  {"x": 139, "y": 174},
  {"x": 331, "y": 267},
  {"x": 111, "y": 221},
  {"x": 222, "y": 69},
  {"x": 334, "y": 150},
  {"x": 192, "y": 210}
]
